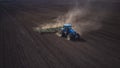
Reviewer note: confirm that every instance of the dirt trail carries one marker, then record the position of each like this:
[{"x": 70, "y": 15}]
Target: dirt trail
[{"x": 21, "y": 47}]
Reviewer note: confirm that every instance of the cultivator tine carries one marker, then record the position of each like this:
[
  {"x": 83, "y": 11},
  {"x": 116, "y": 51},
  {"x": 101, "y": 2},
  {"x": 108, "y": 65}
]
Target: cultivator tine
[{"x": 48, "y": 30}]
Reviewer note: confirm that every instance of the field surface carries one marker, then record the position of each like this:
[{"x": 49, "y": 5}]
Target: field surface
[{"x": 22, "y": 47}]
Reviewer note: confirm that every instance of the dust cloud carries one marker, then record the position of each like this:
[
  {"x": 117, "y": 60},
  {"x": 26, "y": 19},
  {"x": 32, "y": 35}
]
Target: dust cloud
[{"x": 82, "y": 19}]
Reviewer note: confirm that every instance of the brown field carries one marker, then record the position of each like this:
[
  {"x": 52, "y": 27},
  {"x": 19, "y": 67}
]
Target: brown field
[{"x": 21, "y": 47}]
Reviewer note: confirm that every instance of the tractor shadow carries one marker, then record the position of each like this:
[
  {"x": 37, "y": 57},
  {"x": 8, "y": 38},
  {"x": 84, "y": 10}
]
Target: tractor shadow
[
  {"x": 82, "y": 40},
  {"x": 79, "y": 40}
]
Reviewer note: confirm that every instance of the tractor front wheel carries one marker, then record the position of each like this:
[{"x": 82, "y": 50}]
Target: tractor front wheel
[
  {"x": 69, "y": 37},
  {"x": 60, "y": 34}
]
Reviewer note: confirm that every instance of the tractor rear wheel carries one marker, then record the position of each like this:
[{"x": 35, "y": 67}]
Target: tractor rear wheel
[{"x": 77, "y": 37}]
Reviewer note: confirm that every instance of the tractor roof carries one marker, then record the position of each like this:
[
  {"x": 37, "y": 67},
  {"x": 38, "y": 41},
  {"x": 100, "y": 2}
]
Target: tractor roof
[{"x": 67, "y": 25}]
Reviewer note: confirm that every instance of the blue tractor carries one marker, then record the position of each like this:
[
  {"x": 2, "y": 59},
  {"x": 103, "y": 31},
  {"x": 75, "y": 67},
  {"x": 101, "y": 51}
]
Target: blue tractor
[
  {"x": 63, "y": 31},
  {"x": 69, "y": 33}
]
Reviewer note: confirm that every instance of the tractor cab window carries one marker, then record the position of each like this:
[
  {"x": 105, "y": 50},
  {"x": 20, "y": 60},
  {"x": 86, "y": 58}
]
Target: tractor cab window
[{"x": 67, "y": 27}]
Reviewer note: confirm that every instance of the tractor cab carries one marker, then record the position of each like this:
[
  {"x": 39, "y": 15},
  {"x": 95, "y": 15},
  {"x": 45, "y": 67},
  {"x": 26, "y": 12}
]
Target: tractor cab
[
  {"x": 67, "y": 26},
  {"x": 67, "y": 29}
]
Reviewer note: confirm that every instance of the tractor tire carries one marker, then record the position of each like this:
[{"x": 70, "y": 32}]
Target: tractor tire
[
  {"x": 78, "y": 36},
  {"x": 60, "y": 34},
  {"x": 69, "y": 37}
]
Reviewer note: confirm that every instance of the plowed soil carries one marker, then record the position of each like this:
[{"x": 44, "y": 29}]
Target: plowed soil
[{"x": 22, "y": 47}]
